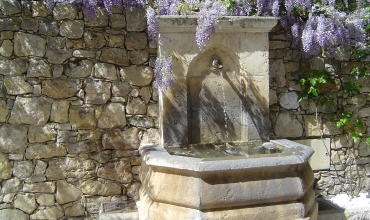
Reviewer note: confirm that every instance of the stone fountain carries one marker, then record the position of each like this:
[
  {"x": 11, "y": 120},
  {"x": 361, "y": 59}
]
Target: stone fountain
[{"x": 221, "y": 95}]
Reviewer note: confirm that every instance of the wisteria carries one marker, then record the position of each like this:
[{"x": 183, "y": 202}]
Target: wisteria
[
  {"x": 163, "y": 73},
  {"x": 315, "y": 28}
]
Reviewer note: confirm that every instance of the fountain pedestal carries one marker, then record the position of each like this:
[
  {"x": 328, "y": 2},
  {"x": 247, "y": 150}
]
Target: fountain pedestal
[{"x": 232, "y": 72}]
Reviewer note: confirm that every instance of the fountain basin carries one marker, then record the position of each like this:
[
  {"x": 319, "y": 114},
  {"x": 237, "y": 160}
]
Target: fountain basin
[{"x": 258, "y": 187}]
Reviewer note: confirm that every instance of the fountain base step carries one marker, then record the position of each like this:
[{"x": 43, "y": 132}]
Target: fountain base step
[{"x": 119, "y": 210}]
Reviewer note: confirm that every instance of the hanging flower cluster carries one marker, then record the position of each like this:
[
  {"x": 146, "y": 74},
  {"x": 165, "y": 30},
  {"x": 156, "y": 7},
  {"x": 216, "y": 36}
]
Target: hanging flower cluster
[{"x": 163, "y": 73}]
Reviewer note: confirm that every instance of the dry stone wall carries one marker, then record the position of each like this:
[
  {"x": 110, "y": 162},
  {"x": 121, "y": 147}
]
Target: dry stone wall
[
  {"x": 75, "y": 103},
  {"x": 350, "y": 170}
]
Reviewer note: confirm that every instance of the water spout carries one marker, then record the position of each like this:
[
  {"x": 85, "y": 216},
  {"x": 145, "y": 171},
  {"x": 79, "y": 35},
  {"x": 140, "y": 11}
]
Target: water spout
[{"x": 216, "y": 64}]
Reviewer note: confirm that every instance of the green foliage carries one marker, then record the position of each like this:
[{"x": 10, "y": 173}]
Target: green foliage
[{"x": 312, "y": 82}]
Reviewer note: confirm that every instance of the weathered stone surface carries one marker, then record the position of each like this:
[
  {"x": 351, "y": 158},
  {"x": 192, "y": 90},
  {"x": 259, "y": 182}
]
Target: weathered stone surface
[
  {"x": 133, "y": 190},
  {"x": 313, "y": 125},
  {"x": 79, "y": 68},
  {"x": 278, "y": 44},
  {"x": 92, "y": 187},
  {"x": 330, "y": 128},
  {"x": 30, "y": 24},
  {"x": 39, "y": 9},
  {"x": 38, "y": 68},
  {"x": 45, "y": 199},
  {"x": 97, "y": 92},
  {"x": 116, "y": 41},
  {"x": 29, "y": 45},
  {"x": 58, "y": 56},
  {"x": 49, "y": 28},
  {"x": 12, "y": 185},
  {"x": 13, "y": 138},
  {"x": 26, "y": 203},
  {"x": 100, "y": 18},
  {"x": 364, "y": 149},
  {"x": 67, "y": 192},
  {"x": 289, "y": 100},
  {"x": 63, "y": 11},
  {"x": 117, "y": 21},
  {"x": 138, "y": 56},
  {"x": 113, "y": 116},
  {"x": 82, "y": 117},
  {"x": 120, "y": 88},
  {"x": 41, "y": 133},
  {"x": 116, "y": 56},
  {"x": 62, "y": 168},
  {"x": 143, "y": 122},
  {"x": 101, "y": 157},
  {"x": 10, "y": 7},
  {"x": 76, "y": 209},
  {"x": 118, "y": 171},
  {"x": 287, "y": 126},
  {"x": 82, "y": 147},
  {"x": 6, "y": 48},
  {"x": 12, "y": 214},
  {"x": 84, "y": 53},
  {"x": 5, "y": 167},
  {"x": 136, "y": 106},
  {"x": 137, "y": 75},
  {"x": 151, "y": 136},
  {"x": 153, "y": 110},
  {"x": 34, "y": 110},
  {"x": 94, "y": 39},
  {"x": 14, "y": 67},
  {"x": 17, "y": 85},
  {"x": 59, "y": 111},
  {"x": 54, "y": 212},
  {"x": 105, "y": 71},
  {"x": 60, "y": 88},
  {"x": 72, "y": 29},
  {"x": 145, "y": 94},
  {"x": 10, "y": 24},
  {"x": 136, "y": 19},
  {"x": 121, "y": 140},
  {"x": 4, "y": 111},
  {"x": 39, "y": 151},
  {"x": 55, "y": 43},
  {"x": 45, "y": 187},
  {"x": 23, "y": 169},
  {"x": 136, "y": 41},
  {"x": 277, "y": 73}
]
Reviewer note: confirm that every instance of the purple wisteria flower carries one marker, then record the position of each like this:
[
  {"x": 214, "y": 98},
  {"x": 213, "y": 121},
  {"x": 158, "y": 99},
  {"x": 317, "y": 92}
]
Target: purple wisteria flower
[
  {"x": 152, "y": 22},
  {"x": 163, "y": 73}
]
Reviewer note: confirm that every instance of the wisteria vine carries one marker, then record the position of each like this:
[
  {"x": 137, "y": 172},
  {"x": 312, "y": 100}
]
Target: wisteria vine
[{"x": 315, "y": 26}]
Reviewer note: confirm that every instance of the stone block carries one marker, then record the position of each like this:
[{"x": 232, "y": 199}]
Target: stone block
[
  {"x": 117, "y": 21},
  {"x": 136, "y": 19},
  {"x": 38, "y": 68},
  {"x": 59, "y": 111},
  {"x": 12, "y": 185},
  {"x": 10, "y": 24},
  {"x": 93, "y": 187},
  {"x": 17, "y": 85},
  {"x": 64, "y": 11},
  {"x": 41, "y": 151},
  {"x": 84, "y": 53},
  {"x": 83, "y": 147},
  {"x": 116, "y": 41},
  {"x": 82, "y": 117},
  {"x": 97, "y": 92},
  {"x": 26, "y": 203},
  {"x": 105, "y": 71},
  {"x": 78, "y": 68},
  {"x": 136, "y": 41},
  {"x": 5, "y": 168},
  {"x": 67, "y": 192},
  {"x": 72, "y": 168},
  {"x": 10, "y": 7},
  {"x": 52, "y": 212},
  {"x": 72, "y": 29},
  {"x": 29, "y": 45},
  {"x": 30, "y": 24},
  {"x": 13, "y": 67},
  {"x": 137, "y": 75},
  {"x": 34, "y": 110},
  {"x": 13, "y": 138},
  {"x": 60, "y": 88},
  {"x": 277, "y": 73},
  {"x": 287, "y": 126},
  {"x": 100, "y": 18},
  {"x": 58, "y": 56},
  {"x": 75, "y": 209},
  {"x": 23, "y": 169},
  {"x": 119, "y": 171},
  {"x": 136, "y": 106},
  {"x": 39, "y": 9},
  {"x": 289, "y": 100},
  {"x": 94, "y": 39},
  {"x": 6, "y": 48},
  {"x": 150, "y": 137},
  {"x": 141, "y": 121},
  {"x": 138, "y": 57},
  {"x": 37, "y": 134},
  {"x": 49, "y": 28},
  {"x": 101, "y": 157},
  {"x": 45, "y": 187},
  {"x": 54, "y": 43},
  {"x": 113, "y": 116},
  {"x": 45, "y": 199},
  {"x": 12, "y": 214},
  {"x": 120, "y": 88},
  {"x": 121, "y": 140},
  {"x": 116, "y": 56}
]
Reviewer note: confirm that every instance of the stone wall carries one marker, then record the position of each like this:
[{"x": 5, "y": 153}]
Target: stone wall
[
  {"x": 350, "y": 169},
  {"x": 75, "y": 104}
]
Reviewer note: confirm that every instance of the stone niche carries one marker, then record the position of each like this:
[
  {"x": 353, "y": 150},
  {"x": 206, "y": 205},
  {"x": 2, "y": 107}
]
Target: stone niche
[{"x": 220, "y": 94}]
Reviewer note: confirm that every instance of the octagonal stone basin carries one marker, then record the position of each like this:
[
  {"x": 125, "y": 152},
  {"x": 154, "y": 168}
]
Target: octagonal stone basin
[{"x": 276, "y": 186}]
